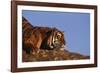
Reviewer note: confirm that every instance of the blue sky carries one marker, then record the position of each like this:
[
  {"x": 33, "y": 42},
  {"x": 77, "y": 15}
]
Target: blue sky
[{"x": 76, "y": 27}]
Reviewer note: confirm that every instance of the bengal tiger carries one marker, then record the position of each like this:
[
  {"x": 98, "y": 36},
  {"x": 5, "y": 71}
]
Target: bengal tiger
[{"x": 36, "y": 38}]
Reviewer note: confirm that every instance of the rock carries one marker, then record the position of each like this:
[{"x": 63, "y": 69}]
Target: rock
[{"x": 52, "y": 55}]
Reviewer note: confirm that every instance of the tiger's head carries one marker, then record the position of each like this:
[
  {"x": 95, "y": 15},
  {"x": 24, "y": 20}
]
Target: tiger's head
[{"x": 56, "y": 39}]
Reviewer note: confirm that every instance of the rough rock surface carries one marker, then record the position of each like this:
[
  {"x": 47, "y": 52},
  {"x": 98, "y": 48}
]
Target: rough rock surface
[{"x": 52, "y": 55}]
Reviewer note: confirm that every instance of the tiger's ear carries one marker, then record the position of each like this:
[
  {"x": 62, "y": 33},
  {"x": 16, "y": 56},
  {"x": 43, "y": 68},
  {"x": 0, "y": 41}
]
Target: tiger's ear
[{"x": 54, "y": 28}]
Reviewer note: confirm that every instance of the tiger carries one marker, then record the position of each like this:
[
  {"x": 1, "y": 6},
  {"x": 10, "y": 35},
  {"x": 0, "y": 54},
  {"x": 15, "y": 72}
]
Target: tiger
[{"x": 36, "y": 38}]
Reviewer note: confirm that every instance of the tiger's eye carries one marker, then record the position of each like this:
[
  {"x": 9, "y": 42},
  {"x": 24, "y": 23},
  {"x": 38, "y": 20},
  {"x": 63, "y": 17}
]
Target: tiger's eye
[{"x": 58, "y": 36}]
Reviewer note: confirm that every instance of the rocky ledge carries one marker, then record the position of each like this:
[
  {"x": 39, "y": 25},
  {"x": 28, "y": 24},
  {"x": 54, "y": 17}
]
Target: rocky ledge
[{"x": 52, "y": 55}]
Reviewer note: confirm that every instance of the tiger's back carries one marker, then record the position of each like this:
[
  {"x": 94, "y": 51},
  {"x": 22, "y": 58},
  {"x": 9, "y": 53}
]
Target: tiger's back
[{"x": 36, "y": 38}]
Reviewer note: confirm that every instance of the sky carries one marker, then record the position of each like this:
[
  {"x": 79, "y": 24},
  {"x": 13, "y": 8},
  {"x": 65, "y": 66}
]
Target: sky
[{"x": 76, "y": 27}]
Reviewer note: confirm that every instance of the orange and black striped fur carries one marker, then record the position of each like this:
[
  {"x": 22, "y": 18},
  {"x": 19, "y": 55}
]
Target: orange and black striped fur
[{"x": 36, "y": 38}]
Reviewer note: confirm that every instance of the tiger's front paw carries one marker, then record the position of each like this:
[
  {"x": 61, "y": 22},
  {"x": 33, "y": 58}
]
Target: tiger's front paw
[{"x": 51, "y": 46}]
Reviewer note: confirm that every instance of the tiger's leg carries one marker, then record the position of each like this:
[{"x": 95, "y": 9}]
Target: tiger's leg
[
  {"x": 49, "y": 42},
  {"x": 37, "y": 43}
]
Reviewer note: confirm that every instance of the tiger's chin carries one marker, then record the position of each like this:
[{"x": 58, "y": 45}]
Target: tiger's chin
[{"x": 62, "y": 47}]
